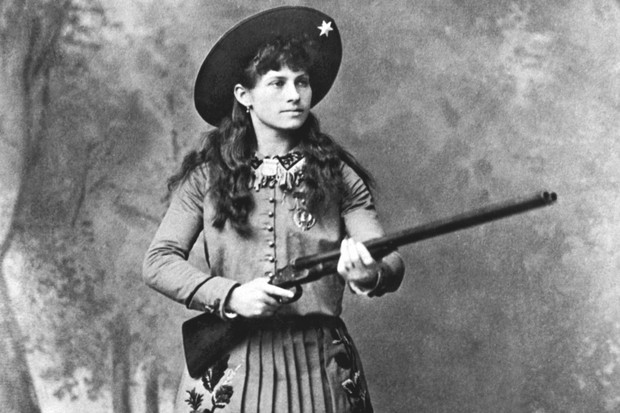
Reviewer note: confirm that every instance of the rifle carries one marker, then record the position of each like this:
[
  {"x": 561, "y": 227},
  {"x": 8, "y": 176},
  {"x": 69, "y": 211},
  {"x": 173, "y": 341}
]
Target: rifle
[{"x": 207, "y": 337}]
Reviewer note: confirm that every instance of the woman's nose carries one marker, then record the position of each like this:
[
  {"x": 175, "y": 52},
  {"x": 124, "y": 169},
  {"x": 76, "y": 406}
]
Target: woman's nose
[{"x": 292, "y": 94}]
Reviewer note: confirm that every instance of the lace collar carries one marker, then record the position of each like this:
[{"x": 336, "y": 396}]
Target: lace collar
[
  {"x": 283, "y": 170},
  {"x": 287, "y": 161}
]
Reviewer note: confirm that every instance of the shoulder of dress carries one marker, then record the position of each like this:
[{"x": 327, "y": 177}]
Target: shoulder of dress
[
  {"x": 197, "y": 179},
  {"x": 203, "y": 170},
  {"x": 348, "y": 172},
  {"x": 198, "y": 173}
]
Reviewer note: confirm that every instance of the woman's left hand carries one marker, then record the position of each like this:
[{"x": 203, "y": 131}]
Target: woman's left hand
[{"x": 356, "y": 264}]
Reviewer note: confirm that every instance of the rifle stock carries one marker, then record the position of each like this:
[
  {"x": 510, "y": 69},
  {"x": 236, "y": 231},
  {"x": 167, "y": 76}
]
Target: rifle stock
[{"x": 206, "y": 337}]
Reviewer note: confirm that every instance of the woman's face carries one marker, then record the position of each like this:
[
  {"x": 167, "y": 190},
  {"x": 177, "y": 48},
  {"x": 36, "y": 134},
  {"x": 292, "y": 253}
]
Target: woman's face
[{"x": 280, "y": 100}]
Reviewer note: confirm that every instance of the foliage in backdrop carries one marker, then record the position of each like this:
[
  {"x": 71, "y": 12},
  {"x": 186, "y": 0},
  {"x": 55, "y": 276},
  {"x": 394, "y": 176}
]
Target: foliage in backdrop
[{"x": 452, "y": 105}]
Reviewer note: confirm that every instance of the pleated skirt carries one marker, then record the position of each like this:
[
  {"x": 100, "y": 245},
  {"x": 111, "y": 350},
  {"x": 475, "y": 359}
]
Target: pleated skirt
[{"x": 296, "y": 364}]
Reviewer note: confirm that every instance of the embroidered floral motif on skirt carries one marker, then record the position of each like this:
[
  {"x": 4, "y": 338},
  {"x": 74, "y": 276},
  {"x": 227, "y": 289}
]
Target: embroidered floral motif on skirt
[{"x": 301, "y": 364}]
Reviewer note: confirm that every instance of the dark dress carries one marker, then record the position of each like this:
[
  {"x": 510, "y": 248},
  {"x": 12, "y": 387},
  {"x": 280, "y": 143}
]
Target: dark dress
[{"x": 301, "y": 359}]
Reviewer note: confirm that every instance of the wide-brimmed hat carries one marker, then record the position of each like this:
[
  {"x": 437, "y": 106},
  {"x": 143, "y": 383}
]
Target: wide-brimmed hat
[{"x": 223, "y": 67}]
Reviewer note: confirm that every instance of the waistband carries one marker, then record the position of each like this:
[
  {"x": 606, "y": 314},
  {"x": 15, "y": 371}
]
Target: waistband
[{"x": 294, "y": 322}]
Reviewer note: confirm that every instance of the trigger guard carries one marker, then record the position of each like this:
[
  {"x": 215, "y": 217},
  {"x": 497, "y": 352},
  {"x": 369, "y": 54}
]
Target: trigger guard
[{"x": 297, "y": 296}]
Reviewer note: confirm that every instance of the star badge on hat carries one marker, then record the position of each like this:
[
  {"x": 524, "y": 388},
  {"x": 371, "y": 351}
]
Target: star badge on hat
[{"x": 325, "y": 28}]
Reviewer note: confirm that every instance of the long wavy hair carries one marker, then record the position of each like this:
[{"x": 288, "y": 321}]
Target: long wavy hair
[{"x": 228, "y": 149}]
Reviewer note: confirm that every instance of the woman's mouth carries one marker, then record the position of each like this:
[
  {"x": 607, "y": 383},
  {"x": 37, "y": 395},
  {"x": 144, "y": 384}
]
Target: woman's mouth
[{"x": 293, "y": 111}]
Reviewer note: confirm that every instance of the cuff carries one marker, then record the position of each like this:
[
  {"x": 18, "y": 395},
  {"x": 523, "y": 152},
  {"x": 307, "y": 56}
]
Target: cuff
[
  {"x": 227, "y": 313},
  {"x": 212, "y": 295}
]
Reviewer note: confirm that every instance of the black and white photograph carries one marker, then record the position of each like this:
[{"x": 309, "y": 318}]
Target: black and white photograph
[{"x": 317, "y": 206}]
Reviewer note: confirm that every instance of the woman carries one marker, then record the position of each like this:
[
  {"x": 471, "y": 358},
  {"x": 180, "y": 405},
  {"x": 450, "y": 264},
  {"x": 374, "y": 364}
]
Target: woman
[{"x": 266, "y": 187}]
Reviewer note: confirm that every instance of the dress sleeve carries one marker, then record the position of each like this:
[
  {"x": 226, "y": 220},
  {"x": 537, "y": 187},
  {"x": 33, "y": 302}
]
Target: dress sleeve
[
  {"x": 165, "y": 267},
  {"x": 361, "y": 223}
]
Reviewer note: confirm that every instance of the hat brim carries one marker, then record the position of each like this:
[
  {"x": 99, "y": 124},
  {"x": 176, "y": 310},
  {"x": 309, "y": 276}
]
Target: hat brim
[{"x": 224, "y": 65}]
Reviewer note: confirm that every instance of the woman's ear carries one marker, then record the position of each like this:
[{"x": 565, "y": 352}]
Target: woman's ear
[{"x": 242, "y": 95}]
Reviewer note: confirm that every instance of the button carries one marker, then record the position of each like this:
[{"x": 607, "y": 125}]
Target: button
[
  {"x": 214, "y": 307},
  {"x": 272, "y": 199},
  {"x": 272, "y": 244},
  {"x": 270, "y": 228},
  {"x": 271, "y": 258},
  {"x": 269, "y": 274},
  {"x": 270, "y": 213}
]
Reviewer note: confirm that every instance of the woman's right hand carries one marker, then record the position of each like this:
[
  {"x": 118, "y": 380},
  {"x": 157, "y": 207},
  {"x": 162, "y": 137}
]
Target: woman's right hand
[{"x": 256, "y": 298}]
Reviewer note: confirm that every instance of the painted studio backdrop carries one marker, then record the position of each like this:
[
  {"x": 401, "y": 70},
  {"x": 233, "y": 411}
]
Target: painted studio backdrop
[{"x": 451, "y": 104}]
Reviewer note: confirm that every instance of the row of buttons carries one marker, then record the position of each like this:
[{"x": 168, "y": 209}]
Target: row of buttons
[{"x": 270, "y": 228}]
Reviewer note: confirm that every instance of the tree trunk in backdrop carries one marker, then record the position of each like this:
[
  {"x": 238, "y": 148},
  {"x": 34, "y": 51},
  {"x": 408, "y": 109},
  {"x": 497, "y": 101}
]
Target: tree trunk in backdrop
[
  {"x": 17, "y": 394},
  {"x": 121, "y": 368},
  {"x": 151, "y": 391},
  {"x": 16, "y": 389},
  {"x": 29, "y": 33}
]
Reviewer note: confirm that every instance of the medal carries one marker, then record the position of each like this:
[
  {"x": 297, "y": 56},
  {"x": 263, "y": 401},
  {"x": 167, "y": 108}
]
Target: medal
[{"x": 303, "y": 219}]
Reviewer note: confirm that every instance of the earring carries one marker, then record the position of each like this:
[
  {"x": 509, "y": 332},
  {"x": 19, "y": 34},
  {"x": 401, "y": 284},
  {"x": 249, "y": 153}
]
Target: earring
[{"x": 247, "y": 109}]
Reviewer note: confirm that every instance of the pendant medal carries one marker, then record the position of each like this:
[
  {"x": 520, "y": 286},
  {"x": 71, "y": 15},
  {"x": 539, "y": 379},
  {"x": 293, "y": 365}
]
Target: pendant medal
[{"x": 303, "y": 219}]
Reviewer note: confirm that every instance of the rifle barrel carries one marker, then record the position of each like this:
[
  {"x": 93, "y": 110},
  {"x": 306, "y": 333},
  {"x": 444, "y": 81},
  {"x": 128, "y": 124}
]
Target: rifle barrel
[{"x": 440, "y": 227}]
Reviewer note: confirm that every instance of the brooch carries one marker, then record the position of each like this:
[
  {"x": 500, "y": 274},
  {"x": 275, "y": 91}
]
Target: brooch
[
  {"x": 304, "y": 219},
  {"x": 301, "y": 216}
]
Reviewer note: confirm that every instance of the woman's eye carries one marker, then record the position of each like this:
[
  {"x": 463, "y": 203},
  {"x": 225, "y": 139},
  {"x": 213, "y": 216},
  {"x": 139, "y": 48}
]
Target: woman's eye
[
  {"x": 278, "y": 83},
  {"x": 303, "y": 82}
]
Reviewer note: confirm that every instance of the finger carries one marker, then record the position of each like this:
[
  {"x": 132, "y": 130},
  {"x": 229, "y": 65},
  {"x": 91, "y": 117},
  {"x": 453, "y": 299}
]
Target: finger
[
  {"x": 364, "y": 254},
  {"x": 264, "y": 310},
  {"x": 269, "y": 302},
  {"x": 268, "y": 311},
  {"x": 341, "y": 266},
  {"x": 354, "y": 255},
  {"x": 275, "y": 291},
  {"x": 344, "y": 262}
]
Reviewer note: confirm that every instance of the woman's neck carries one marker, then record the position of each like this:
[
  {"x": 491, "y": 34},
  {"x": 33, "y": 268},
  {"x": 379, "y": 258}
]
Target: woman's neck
[{"x": 275, "y": 143}]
